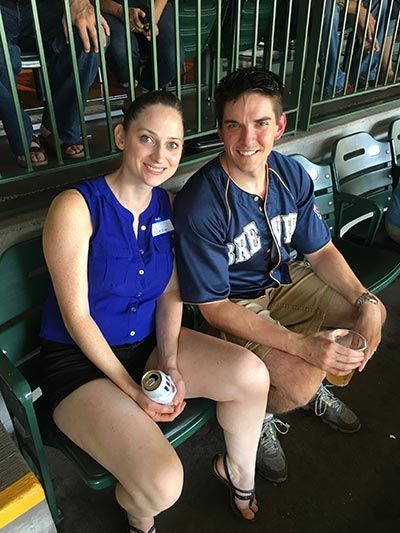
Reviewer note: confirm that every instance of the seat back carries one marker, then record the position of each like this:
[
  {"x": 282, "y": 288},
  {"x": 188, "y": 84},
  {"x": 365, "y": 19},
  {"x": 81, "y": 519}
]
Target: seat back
[
  {"x": 321, "y": 176},
  {"x": 362, "y": 166},
  {"x": 188, "y": 24},
  {"x": 394, "y": 137},
  {"x": 24, "y": 284}
]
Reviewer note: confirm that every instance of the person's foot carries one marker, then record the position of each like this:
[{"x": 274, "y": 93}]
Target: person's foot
[
  {"x": 37, "y": 154},
  {"x": 72, "y": 150},
  {"x": 243, "y": 501},
  {"x": 271, "y": 460},
  {"x": 333, "y": 411}
]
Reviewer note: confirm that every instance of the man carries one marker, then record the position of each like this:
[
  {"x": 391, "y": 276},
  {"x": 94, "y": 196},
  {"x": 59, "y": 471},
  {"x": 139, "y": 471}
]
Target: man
[
  {"x": 19, "y": 29},
  {"x": 139, "y": 18},
  {"x": 236, "y": 219},
  {"x": 370, "y": 22}
]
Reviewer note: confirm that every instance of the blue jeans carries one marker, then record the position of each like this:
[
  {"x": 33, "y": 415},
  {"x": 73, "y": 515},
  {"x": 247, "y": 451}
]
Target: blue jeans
[
  {"x": 18, "y": 23},
  {"x": 330, "y": 53},
  {"x": 141, "y": 49}
]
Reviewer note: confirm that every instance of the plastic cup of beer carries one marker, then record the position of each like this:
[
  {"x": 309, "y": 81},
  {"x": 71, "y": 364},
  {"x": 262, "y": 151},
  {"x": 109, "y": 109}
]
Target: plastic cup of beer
[{"x": 350, "y": 339}]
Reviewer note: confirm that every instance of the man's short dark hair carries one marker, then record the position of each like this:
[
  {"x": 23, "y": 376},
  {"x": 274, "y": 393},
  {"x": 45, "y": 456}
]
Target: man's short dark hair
[{"x": 248, "y": 80}]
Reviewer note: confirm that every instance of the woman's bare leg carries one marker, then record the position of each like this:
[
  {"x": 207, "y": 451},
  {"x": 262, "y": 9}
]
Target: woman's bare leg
[
  {"x": 115, "y": 431},
  {"x": 239, "y": 382}
]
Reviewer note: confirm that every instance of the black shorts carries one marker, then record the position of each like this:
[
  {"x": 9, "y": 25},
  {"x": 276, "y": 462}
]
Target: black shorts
[{"x": 64, "y": 368}]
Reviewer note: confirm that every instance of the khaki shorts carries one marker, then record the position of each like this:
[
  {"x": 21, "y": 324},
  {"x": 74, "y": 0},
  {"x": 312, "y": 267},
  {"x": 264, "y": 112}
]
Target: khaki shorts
[{"x": 300, "y": 306}]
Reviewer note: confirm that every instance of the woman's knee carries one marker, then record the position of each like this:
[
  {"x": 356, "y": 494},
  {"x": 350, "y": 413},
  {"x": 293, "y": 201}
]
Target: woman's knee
[
  {"x": 249, "y": 371},
  {"x": 163, "y": 485}
]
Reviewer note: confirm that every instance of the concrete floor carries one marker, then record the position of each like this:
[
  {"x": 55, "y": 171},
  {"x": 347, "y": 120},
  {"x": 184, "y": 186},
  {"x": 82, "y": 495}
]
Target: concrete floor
[{"x": 338, "y": 483}]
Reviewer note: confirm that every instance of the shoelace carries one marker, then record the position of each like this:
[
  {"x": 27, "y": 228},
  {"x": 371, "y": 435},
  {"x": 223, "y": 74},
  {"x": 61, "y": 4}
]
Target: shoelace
[
  {"x": 268, "y": 435},
  {"x": 324, "y": 399}
]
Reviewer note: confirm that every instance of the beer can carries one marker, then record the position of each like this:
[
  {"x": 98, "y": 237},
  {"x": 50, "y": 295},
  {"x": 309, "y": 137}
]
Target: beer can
[{"x": 159, "y": 387}]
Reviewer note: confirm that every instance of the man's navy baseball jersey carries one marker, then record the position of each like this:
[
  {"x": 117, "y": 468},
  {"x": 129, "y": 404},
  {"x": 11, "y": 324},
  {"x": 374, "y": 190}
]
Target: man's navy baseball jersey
[{"x": 233, "y": 244}]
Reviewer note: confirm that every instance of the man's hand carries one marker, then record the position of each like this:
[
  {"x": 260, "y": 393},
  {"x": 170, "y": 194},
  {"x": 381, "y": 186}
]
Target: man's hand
[
  {"x": 322, "y": 351},
  {"x": 138, "y": 21},
  {"x": 369, "y": 324},
  {"x": 84, "y": 18}
]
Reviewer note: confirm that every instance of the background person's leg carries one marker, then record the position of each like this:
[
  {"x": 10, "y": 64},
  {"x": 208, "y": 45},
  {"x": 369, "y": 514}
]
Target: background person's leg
[
  {"x": 116, "y": 51},
  {"x": 12, "y": 24},
  {"x": 117, "y": 433},
  {"x": 166, "y": 59},
  {"x": 63, "y": 86}
]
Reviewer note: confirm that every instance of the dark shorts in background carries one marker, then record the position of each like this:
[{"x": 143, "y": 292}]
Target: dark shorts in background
[{"x": 64, "y": 368}]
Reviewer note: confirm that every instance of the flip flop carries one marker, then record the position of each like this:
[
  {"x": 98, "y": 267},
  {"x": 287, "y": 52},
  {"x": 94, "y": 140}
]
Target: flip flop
[
  {"x": 49, "y": 143},
  {"x": 240, "y": 494},
  {"x": 34, "y": 150}
]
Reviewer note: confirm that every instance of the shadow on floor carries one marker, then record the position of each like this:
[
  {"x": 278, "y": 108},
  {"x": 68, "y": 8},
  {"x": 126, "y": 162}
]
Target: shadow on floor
[{"x": 338, "y": 483}]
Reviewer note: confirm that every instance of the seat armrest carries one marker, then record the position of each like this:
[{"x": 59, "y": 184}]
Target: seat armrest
[{"x": 14, "y": 380}]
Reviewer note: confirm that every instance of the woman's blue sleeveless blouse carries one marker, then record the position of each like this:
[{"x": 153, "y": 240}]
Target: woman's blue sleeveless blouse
[{"x": 126, "y": 274}]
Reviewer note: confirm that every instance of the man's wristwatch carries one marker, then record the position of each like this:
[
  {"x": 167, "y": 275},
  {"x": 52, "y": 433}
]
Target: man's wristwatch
[{"x": 365, "y": 297}]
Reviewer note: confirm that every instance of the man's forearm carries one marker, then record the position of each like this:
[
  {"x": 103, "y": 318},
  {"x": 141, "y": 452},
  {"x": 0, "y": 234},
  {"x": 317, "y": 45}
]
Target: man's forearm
[
  {"x": 332, "y": 268},
  {"x": 236, "y": 320}
]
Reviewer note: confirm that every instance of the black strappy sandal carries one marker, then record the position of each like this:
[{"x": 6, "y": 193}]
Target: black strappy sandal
[
  {"x": 137, "y": 530},
  {"x": 235, "y": 492}
]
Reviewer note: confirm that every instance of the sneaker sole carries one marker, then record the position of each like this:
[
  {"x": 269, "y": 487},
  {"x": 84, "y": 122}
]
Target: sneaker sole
[
  {"x": 338, "y": 428},
  {"x": 273, "y": 480}
]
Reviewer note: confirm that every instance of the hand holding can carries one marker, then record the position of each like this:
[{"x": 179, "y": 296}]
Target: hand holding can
[
  {"x": 350, "y": 339},
  {"x": 159, "y": 387}
]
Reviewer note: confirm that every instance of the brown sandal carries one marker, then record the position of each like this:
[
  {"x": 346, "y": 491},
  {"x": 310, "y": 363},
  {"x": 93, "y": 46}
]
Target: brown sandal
[
  {"x": 34, "y": 150},
  {"x": 240, "y": 494},
  {"x": 49, "y": 143}
]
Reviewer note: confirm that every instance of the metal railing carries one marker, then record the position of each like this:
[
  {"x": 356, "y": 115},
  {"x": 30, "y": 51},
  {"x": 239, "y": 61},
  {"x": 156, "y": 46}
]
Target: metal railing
[{"x": 312, "y": 44}]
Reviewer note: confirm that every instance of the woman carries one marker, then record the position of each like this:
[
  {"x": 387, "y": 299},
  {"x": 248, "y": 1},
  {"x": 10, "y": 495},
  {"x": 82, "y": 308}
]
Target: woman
[{"x": 115, "y": 311}]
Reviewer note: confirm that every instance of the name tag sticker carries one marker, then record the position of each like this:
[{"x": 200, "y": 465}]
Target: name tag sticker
[{"x": 164, "y": 226}]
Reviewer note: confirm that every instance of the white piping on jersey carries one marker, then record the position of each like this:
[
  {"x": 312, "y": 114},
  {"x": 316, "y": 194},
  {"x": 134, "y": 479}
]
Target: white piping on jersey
[
  {"x": 226, "y": 199},
  {"x": 283, "y": 183},
  {"x": 274, "y": 237}
]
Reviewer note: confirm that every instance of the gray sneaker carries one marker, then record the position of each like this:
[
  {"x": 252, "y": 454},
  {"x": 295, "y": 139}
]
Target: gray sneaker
[
  {"x": 333, "y": 411},
  {"x": 271, "y": 461}
]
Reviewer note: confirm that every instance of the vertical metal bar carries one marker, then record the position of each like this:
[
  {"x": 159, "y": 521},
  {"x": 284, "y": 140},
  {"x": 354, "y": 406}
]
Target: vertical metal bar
[
  {"x": 219, "y": 36},
  {"x": 311, "y": 67},
  {"x": 353, "y": 43},
  {"x": 269, "y": 48},
  {"x": 374, "y": 38},
  {"x": 103, "y": 69},
  {"x": 177, "y": 50},
  {"x": 255, "y": 32},
  {"x": 362, "y": 45},
  {"x": 379, "y": 67},
  {"x": 127, "y": 30},
  {"x": 337, "y": 66},
  {"x": 328, "y": 45},
  {"x": 198, "y": 64},
  {"x": 46, "y": 81},
  {"x": 14, "y": 93},
  {"x": 396, "y": 69},
  {"x": 302, "y": 26},
  {"x": 75, "y": 72},
  {"x": 283, "y": 64},
  {"x": 154, "y": 55},
  {"x": 237, "y": 35}
]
